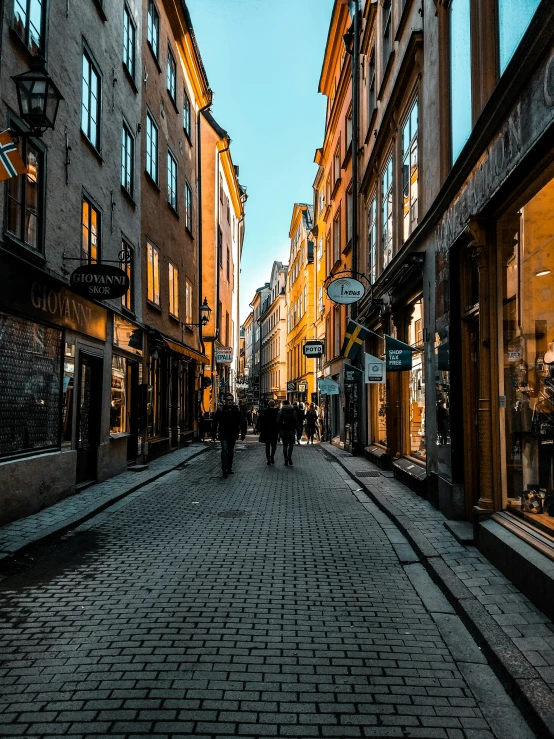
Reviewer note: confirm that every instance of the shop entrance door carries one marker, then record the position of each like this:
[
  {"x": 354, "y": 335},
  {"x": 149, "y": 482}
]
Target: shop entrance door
[
  {"x": 88, "y": 417},
  {"x": 470, "y": 348}
]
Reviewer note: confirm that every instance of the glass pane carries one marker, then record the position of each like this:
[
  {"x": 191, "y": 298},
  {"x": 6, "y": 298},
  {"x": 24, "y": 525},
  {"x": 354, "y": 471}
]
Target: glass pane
[
  {"x": 460, "y": 75},
  {"x": 514, "y": 17},
  {"x": 156, "y": 278},
  {"x": 150, "y": 273},
  {"x": 85, "y": 239},
  {"x": 118, "y": 403},
  {"x": 416, "y": 381}
]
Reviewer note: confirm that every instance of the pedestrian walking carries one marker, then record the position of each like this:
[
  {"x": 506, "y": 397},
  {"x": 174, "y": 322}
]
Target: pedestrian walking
[
  {"x": 287, "y": 425},
  {"x": 228, "y": 424},
  {"x": 301, "y": 414},
  {"x": 267, "y": 425},
  {"x": 311, "y": 423}
]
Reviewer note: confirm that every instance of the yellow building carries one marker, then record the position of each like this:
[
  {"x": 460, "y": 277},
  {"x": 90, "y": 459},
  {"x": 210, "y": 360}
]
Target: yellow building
[
  {"x": 319, "y": 270},
  {"x": 300, "y": 305}
]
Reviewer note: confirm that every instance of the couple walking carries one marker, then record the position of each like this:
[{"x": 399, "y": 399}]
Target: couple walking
[{"x": 276, "y": 422}]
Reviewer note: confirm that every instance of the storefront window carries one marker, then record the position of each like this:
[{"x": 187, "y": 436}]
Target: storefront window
[
  {"x": 118, "y": 404},
  {"x": 68, "y": 393},
  {"x": 417, "y": 385},
  {"x": 30, "y": 378},
  {"x": 528, "y": 358}
]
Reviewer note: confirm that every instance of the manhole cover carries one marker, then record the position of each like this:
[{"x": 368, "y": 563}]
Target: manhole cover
[
  {"x": 232, "y": 514},
  {"x": 368, "y": 473}
]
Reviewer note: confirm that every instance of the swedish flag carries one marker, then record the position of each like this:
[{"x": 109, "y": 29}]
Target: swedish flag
[{"x": 353, "y": 339}]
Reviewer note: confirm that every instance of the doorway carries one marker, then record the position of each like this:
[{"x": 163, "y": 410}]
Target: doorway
[{"x": 88, "y": 417}]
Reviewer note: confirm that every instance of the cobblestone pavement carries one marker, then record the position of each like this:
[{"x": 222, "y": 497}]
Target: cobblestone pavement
[{"x": 272, "y": 603}]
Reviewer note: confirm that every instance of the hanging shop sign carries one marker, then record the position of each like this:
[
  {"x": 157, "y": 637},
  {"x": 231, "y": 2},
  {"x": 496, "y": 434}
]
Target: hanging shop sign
[
  {"x": 302, "y": 387},
  {"x": 374, "y": 370},
  {"x": 345, "y": 290},
  {"x": 314, "y": 349},
  {"x": 352, "y": 375},
  {"x": 398, "y": 355},
  {"x": 99, "y": 281},
  {"x": 328, "y": 387},
  {"x": 291, "y": 387},
  {"x": 224, "y": 354}
]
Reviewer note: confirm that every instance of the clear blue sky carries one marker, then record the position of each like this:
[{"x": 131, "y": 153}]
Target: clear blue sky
[{"x": 263, "y": 59}]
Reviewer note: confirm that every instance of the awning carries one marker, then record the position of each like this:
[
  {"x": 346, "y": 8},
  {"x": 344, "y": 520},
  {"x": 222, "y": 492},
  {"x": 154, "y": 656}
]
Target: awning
[{"x": 186, "y": 351}]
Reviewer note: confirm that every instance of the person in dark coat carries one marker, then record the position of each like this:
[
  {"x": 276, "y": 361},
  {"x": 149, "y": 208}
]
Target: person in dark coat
[
  {"x": 301, "y": 413},
  {"x": 311, "y": 423},
  {"x": 228, "y": 424},
  {"x": 267, "y": 425},
  {"x": 288, "y": 427}
]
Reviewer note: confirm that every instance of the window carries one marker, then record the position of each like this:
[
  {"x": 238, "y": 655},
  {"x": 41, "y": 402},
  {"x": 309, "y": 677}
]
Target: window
[
  {"x": 28, "y": 23},
  {"x": 220, "y": 246},
  {"x": 186, "y": 114},
  {"x": 188, "y": 207},
  {"x": 171, "y": 180},
  {"x": 188, "y": 302},
  {"x": 153, "y": 257},
  {"x": 320, "y": 250},
  {"x": 127, "y": 159},
  {"x": 514, "y": 17},
  {"x": 387, "y": 32},
  {"x": 25, "y": 197},
  {"x": 372, "y": 239},
  {"x": 171, "y": 75},
  {"x": 410, "y": 170},
  {"x": 461, "y": 121},
  {"x": 416, "y": 380},
  {"x": 349, "y": 130},
  {"x": 349, "y": 215},
  {"x": 228, "y": 265},
  {"x": 90, "y": 239},
  {"x": 128, "y": 42},
  {"x": 127, "y": 300},
  {"x": 90, "y": 105},
  {"x": 118, "y": 404},
  {"x": 336, "y": 239},
  {"x": 227, "y": 328},
  {"x": 320, "y": 299},
  {"x": 151, "y": 148},
  {"x": 173, "y": 291},
  {"x": 328, "y": 254},
  {"x": 336, "y": 163},
  {"x": 387, "y": 212},
  {"x": 371, "y": 90},
  {"x": 153, "y": 28}
]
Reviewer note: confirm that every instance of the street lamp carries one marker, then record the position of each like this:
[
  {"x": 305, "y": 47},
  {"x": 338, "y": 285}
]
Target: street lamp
[
  {"x": 205, "y": 313},
  {"x": 38, "y": 99}
]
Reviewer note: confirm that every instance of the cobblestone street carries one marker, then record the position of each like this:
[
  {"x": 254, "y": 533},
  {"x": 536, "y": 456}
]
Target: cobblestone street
[{"x": 271, "y": 603}]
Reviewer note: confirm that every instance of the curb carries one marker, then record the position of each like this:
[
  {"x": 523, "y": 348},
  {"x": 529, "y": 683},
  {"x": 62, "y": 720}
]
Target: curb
[
  {"x": 51, "y": 532},
  {"x": 523, "y": 683}
]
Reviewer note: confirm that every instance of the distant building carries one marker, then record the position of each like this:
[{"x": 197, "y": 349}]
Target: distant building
[{"x": 273, "y": 322}]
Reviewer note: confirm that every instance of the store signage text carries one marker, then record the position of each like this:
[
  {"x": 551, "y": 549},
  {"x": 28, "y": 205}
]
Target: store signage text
[
  {"x": 314, "y": 349},
  {"x": 374, "y": 370},
  {"x": 224, "y": 355},
  {"x": 99, "y": 281},
  {"x": 328, "y": 387},
  {"x": 61, "y": 307},
  {"x": 345, "y": 290}
]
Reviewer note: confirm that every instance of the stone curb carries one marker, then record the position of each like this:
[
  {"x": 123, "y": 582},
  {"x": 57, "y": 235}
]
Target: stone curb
[
  {"x": 51, "y": 531},
  {"x": 524, "y": 684}
]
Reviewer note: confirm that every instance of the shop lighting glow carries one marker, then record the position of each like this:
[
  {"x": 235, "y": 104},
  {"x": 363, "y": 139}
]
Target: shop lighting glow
[{"x": 542, "y": 273}]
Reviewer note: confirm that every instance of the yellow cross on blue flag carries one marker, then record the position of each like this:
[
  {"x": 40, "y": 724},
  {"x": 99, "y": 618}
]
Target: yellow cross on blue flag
[{"x": 353, "y": 339}]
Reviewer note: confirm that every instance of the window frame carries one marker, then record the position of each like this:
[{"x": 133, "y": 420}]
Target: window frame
[
  {"x": 413, "y": 144},
  {"x": 387, "y": 196},
  {"x": 126, "y": 132},
  {"x": 189, "y": 320},
  {"x": 22, "y": 147},
  {"x": 147, "y": 152},
  {"x": 152, "y": 279},
  {"x": 173, "y": 290},
  {"x": 127, "y": 16},
  {"x": 172, "y": 181},
  {"x": 171, "y": 74},
  {"x": 372, "y": 237},
  {"x": 128, "y": 299},
  {"x": 93, "y": 206},
  {"x": 150, "y": 24},
  {"x": 87, "y": 54},
  {"x": 187, "y": 116},
  {"x": 336, "y": 237},
  {"x": 25, "y": 36},
  {"x": 386, "y": 33},
  {"x": 188, "y": 207}
]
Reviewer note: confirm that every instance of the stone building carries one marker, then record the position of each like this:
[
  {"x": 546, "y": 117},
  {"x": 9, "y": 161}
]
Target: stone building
[
  {"x": 273, "y": 323},
  {"x": 70, "y": 368}
]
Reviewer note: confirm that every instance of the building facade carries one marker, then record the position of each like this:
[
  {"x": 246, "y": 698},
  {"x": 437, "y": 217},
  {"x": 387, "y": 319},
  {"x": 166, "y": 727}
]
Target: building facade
[
  {"x": 255, "y": 375},
  {"x": 273, "y": 322},
  {"x": 300, "y": 305}
]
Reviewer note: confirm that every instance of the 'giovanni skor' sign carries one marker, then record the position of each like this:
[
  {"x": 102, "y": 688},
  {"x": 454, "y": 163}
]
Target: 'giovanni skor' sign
[
  {"x": 99, "y": 281},
  {"x": 345, "y": 290}
]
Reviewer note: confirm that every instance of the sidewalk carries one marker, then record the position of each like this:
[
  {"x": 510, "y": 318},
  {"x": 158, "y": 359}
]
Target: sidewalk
[
  {"x": 516, "y": 637},
  {"x": 74, "y": 510}
]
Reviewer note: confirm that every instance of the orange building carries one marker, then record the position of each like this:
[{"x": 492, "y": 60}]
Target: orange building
[{"x": 223, "y": 201}]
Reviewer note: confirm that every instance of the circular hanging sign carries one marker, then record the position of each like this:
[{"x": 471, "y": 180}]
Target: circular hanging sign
[
  {"x": 99, "y": 281},
  {"x": 345, "y": 290}
]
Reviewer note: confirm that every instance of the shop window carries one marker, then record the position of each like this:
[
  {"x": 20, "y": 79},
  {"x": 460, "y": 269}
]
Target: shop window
[
  {"x": 153, "y": 293},
  {"x": 29, "y": 23},
  {"x": 30, "y": 378},
  {"x": 387, "y": 212},
  {"x": 173, "y": 291},
  {"x": 90, "y": 227},
  {"x": 416, "y": 379},
  {"x": 68, "y": 394},
  {"x": 410, "y": 172},
  {"x": 118, "y": 402},
  {"x": 514, "y": 17},
  {"x": 372, "y": 239},
  {"x": 528, "y": 358},
  {"x": 25, "y": 194},
  {"x": 90, "y": 103},
  {"x": 461, "y": 121},
  {"x": 153, "y": 28}
]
